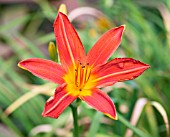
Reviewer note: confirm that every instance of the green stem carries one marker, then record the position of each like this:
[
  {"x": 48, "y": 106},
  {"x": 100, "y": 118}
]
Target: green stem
[{"x": 75, "y": 118}]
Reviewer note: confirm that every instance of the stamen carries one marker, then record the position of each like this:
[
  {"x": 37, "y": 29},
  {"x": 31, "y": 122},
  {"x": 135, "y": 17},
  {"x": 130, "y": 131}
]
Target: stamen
[
  {"x": 82, "y": 75},
  {"x": 88, "y": 72},
  {"x": 75, "y": 77},
  {"x": 78, "y": 74}
]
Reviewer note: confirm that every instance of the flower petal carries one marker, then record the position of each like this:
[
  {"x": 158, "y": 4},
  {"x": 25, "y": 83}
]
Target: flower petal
[
  {"x": 105, "y": 46},
  {"x": 119, "y": 69},
  {"x": 69, "y": 45},
  {"x": 45, "y": 69},
  {"x": 101, "y": 102},
  {"x": 56, "y": 105}
]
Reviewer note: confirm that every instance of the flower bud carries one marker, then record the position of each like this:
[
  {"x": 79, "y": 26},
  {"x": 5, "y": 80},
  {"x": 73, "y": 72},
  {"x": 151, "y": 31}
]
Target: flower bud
[
  {"x": 63, "y": 9},
  {"x": 52, "y": 51}
]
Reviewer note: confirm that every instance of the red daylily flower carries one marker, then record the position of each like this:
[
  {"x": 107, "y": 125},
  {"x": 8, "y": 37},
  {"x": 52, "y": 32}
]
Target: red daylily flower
[{"x": 81, "y": 75}]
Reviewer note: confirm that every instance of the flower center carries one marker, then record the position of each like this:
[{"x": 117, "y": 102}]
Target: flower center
[
  {"x": 82, "y": 75},
  {"x": 79, "y": 80}
]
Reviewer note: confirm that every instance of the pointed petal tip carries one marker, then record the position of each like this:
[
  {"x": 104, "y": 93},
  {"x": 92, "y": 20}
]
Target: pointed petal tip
[
  {"x": 124, "y": 27},
  {"x": 46, "y": 115},
  {"x": 121, "y": 30},
  {"x": 121, "y": 27},
  {"x": 111, "y": 116},
  {"x": 20, "y": 66},
  {"x": 147, "y": 66},
  {"x": 43, "y": 114}
]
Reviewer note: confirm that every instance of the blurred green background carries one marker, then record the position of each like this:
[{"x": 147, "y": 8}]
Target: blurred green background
[{"x": 143, "y": 105}]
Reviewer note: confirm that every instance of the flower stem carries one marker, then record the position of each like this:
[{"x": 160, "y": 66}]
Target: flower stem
[{"x": 75, "y": 118}]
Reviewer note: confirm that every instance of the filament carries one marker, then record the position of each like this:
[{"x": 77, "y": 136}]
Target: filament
[{"x": 82, "y": 75}]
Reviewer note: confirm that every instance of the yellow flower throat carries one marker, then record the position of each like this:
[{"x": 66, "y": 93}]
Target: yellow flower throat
[{"x": 79, "y": 79}]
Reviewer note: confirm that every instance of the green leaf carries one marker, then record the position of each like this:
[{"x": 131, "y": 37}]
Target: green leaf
[
  {"x": 134, "y": 129},
  {"x": 95, "y": 124}
]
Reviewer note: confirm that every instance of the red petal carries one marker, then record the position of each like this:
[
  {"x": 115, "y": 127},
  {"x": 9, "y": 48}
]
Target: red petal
[
  {"x": 101, "y": 102},
  {"x": 45, "y": 69},
  {"x": 105, "y": 46},
  {"x": 69, "y": 45},
  {"x": 57, "y": 104},
  {"x": 119, "y": 69}
]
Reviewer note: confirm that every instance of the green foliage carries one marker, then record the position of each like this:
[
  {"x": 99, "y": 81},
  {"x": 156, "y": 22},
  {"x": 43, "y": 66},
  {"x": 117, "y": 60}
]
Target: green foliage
[{"x": 25, "y": 32}]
